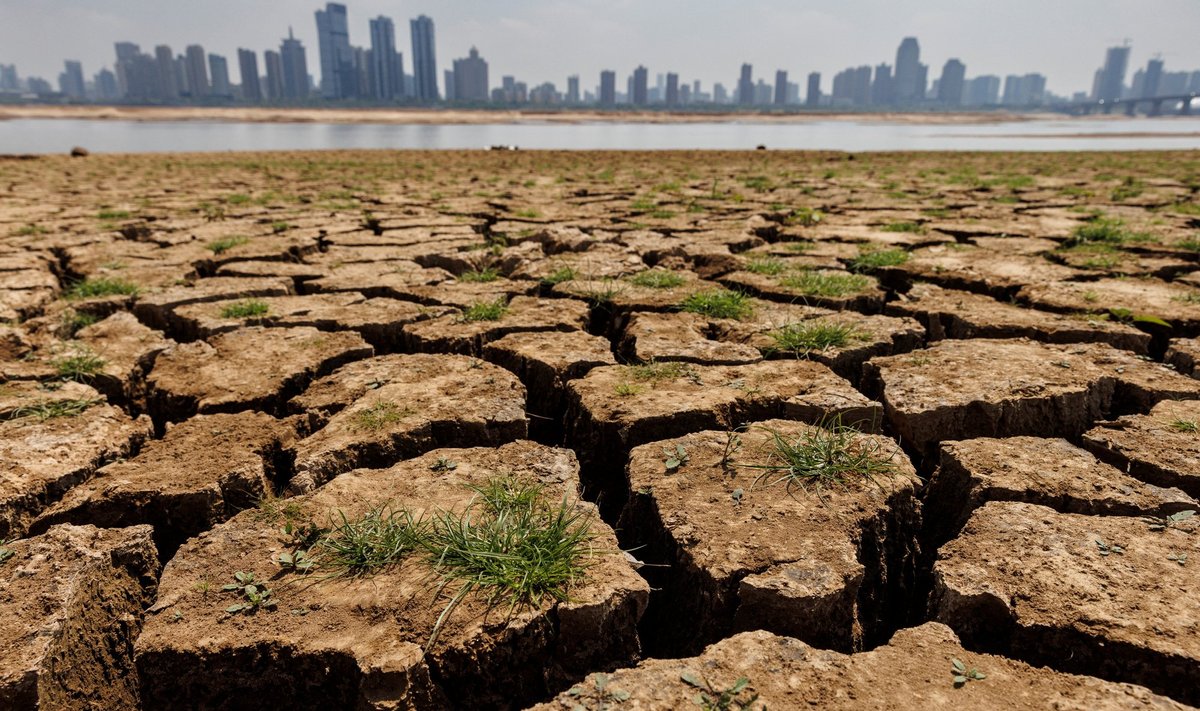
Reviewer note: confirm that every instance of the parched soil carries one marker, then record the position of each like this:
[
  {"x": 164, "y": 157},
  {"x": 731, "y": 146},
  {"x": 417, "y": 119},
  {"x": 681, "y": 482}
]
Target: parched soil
[{"x": 599, "y": 430}]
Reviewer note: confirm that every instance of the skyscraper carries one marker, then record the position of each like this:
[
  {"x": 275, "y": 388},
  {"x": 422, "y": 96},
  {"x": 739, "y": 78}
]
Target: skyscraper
[
  {"x": 337, "y": 59},
  {"x": 470, "y": 78},
  {"x": 218, "y": 68},
  {"x": 608, "y": 88},
  {"x": 248, "y": 66},
  {"x": 950, "y": 86},
  {"x": 106, "y": 85},
  {"x": 982, "y": 91},
  {"x": 273, "y": 62},
  {"x": 781, "y": 82},
  {"x": 197, "y": 71},
  {"x": 1110, "y": 81},
  {"x": 1153, "y": 79},
  {"x": 164, "y": 60},
  {"x": 387, "y": 65},
  {"x": 813, "y": 98},
  {"x": 70, "y": 82},
  {"x": 573, "y": 89},
  {"x": 294, "y": 67},
  {"x": 909, "y": 81},
  {"x": 672, "y": 91},
  {"x": 424, "y": 59},
  {"x": 640, "y": 77},
  {"x": 883, "y": 87},
  {"x": 745, "y": 89}
]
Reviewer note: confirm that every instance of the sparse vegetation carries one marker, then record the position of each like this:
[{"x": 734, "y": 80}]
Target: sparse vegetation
[
  {"x": 814, "y": 336},
  {"x": 81, "y": 365},
  {"x": 872, "y": 259},
  {"x": 962, "y": 674},
  {"x": 1106, "y": 231},
  {"x": 831, "y": 455},
  {"x": 379, "y": 416},
  {"x": 656, "y": 279},
  {"x": 560, "y": 275},
  {"x": 100, "y": 287},
  {"x": 484, "y": 275},
  {"x": 1187, "y": 426},
  {"x": 368, "y": 544},
  {"x": 708, "y": 697},
  {"x": 43, "y": 410},
  {"x": 910, "y": 227},
  {"x": 247, "y": 308},
  {"x": 719, "y": 303},
  {"x": 1162, "y": 523},
  {"x": 676, "y": 457},
  {"x": 255, "y": 594},
  {"x": 223, "y": 245},
  {"x": 826, "y": 284},
  {"x": 766, "y": 265},
  {"x": 485, "y": 311}
]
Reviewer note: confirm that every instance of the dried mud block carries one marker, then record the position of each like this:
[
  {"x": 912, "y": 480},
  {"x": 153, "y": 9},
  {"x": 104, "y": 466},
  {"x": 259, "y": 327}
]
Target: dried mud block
[
  {"x": 356, "y": 641},
  {"x": 1048, "y": 472},
  {"x": 647, "y": 290},
  {"x": 999, "y": 274},
  {"x": 615, "y": 408},
  {"x": 252, "y": 368},
  {"x": 72, "y": 602},
  {"x": 913, "y": 670},
  {"x": 467, "y": 331},
  {"x": 376, "y": 412},
  {"x": 1101, "y": 595},
  {"x": 20, "y": 398},
  {"x": 1183, "y": 353},
  {"x": 1002, "y": 388},
  {"x": 379, "y": 321},
  {"x": 128, "y": 350},
  {"x": 466, "y": 294},
  {"x": 54, "y": 445},
  {"x": 947, "y": 313},
  {"x": 298, "y": 272},
  {"x": 200, "y": 473},
  {"x": 1177, "y": 304},
  {"x": 1162, "y": 447},
  {"x": 596, "y": 263},
  {"x": 545, "y": 362},
  {"x": 745, "y": 545},
  {"x": 683, "y": 337},
  {"x": 156, "y": 309},
  {"x": 390, "y": 280},
  {"x": 824, "y": 288}
]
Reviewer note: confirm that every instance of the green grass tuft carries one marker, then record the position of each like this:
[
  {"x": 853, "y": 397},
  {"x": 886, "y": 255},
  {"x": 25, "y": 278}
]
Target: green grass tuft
[
  {"x": 248, "y": 308},
  {"x": 766, "y": 265},
  {"x": 1105, "y": 230},
  {"x": 51, "y": 409},
  {"x": 872, "y": 259},
  {"x": 910, "y": 227},
  {"x": 366, "y": 545},
  {"x": 380, "y": 416},
  {"x": 485, "y": 311},
  {"x": 817, "y": 335},
  {"x": 656, "y": 279},
  {"x": 223, "y": 245},
  {"x": 480, "y": 275},
  {"x": 560, "y": 275},
  {"x": 101, "y": 286},
  {"x": 81, "y": 366},
  {"x": 720, "y": 303},
  {"x": 1182, "y": 425},
  {"x": 828, "y": 284},
  {"x": 823, "y": 457}
]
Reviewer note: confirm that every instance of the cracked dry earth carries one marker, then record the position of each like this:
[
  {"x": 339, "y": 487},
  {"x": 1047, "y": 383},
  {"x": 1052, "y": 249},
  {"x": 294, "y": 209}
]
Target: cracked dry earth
[{"x": 817, "y": 430}]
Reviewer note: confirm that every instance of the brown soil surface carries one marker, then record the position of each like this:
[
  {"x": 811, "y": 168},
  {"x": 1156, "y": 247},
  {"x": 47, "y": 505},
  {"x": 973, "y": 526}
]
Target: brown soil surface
[
  {"x": 1050, "y": 587},
  {"x": 359, "y": 641},
  {"x": 199, "y": 353}
]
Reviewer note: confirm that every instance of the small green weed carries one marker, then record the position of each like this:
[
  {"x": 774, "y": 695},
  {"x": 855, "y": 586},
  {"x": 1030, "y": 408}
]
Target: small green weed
[
  {"x": 1106, "y": 549},
  {"x": 485, "y": 311},
  {"x": 719, "y": 303},
  {"x": 1162, "y": 523},
  {"x": 909, "y": 227},
  {"x": 101, "y": 286},
  {"x": 822, "y": 457},
  {"x": 872, "y": 259},
  {"x": 380, "y": 538},
  {"x": 816, "y": 335},
  {"x": 656, "y": 279},
  {"x": 81, "y": 366},
  {"x": 676, "y": 457},
  {"x": 560, "y": 275},
  {"x": 599, "y": 695},
  {"x": 1187, "y": 426},
  {"x": 380, "y": 416},
  {"x": 112, "y": 215},
  {"x": 827, "y": 284},
  {"x": 255, "y": 595},
  {"x": 225, "y": 244},
  {"x": 51, "y": 409},
  {"x": 248, "y": 308},
  {"x": 738, "y": 696},
  {"x": 766, "y": 265},
  {"x": 484, "y": 275},
  {"x": 962, "y": 674}
]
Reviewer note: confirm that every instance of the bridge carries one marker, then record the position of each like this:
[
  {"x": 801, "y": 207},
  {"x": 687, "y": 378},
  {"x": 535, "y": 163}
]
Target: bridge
[{"x": 1129, "y": 106}]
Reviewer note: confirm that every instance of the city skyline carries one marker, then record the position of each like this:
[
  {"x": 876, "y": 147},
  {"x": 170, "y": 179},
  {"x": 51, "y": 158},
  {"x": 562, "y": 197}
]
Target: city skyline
[{"x": 524, "y": 37}]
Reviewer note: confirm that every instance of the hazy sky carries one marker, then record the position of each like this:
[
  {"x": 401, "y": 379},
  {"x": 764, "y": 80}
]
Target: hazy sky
[{"x": 540, "y": 40}]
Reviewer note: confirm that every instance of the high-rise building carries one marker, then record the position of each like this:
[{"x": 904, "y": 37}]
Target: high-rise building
[
  {"x": 294, "y": 67},
  {"x": 448, "y": 82},
  {"x": 387, "y": 65},
  {"x": 909, "y": 82},
  {"x": 608, "y": 88},
  {"x": 1028, "y": 90},
  {"x": 982, "y": 91},
  {"x": 9, "y": 81},
  {"x": 70, "y": 82},
  {"x": 248, "y": 67},
  {"x": 137, "y": 73},
  {"x": 638, "y": 91},
  {"x": 781, "y": 81},
  {"x": 813, "y": 97},
  {"x": 1110, "y": 80},
  {"x": 338, "y": 79},
  {"x": 1151, "y": 83},
  {"x": 882, "y": 87},
  {"x": 671, "y": 91},
  {"x": 106, "y": 85},
  {"x": 424, "y": 52},
  {"x": 218, "y": 69},
  {"x": 470, "y": 78},
  {"x": 950, "y": 85},
  {"x": 573, "y": 89},
  {"x": 273, "y": 62},
  {"x": 164, "y": 60},
  {"x": 745, "y": 89},
  {"x": 720, "y": 94},
  {"x": 197, "y": 72}
]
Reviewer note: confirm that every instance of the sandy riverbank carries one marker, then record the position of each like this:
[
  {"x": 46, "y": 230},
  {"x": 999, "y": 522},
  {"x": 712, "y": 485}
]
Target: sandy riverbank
[{"x": 459, "y": 116}]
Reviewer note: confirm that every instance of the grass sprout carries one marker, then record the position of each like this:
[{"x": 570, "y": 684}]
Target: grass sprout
[
  {"x": 101, "y": 286},
  {"x": 656, "y": 279},
  {"x": 485, "y": 311},
  {"x": 823, "y": 457},
  {"x": 248, "y": 308},
  {"x": 827, "y": 284},
  {"x": 719, "y": 303},
  {"x": 816, "y": 335}
]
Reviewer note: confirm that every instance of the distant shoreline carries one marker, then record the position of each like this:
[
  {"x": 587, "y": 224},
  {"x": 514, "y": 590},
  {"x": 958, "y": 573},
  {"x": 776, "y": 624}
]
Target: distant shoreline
[{"x": 480, "y": 116}]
